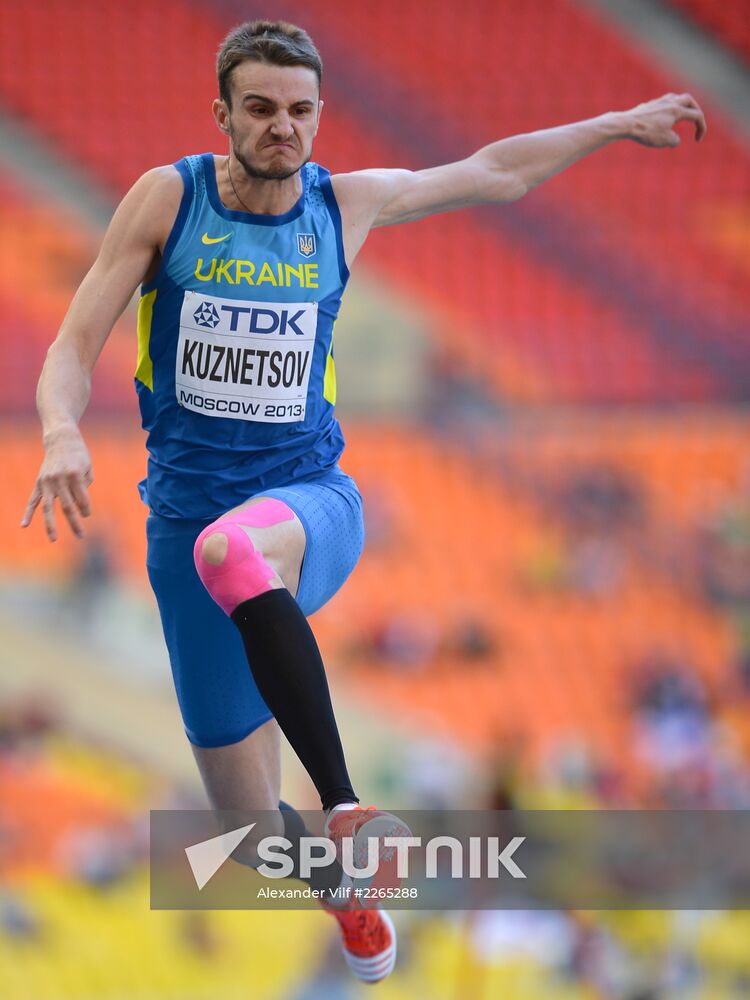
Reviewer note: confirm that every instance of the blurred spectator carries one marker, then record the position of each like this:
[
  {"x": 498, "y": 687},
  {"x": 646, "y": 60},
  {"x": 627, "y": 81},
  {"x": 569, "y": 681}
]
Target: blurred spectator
[
  {"x": 17, "y": 919},
  {"x": 544, "y": 564},
  {"x": 380, "y": 518},
  {"x": 572, "y": 774},
  {"x": 667, "y": 685},
  {"x": 742, "y": 665},
  {"x": 601, "y": 497},
  {"x": 199, "y": 935},
  {"x": 471, "y": 640},
  {"x": 433, "y": 775},
  {"x": 568, "y": 772},
  {"x": 410, "y": 641},
  {"x": 505, "y": 771},
  {"x": 90, "y": 579},
  {"x": 26, "y": 722},
  {"x": 590, "y": 561},
  {"x": 407, "y": 641},
  {"x": 456, "y": 394},
  {"x": 597, "y": 565},
  {"x": 722, "y": 554},
  {"x": 695, "y": 760},
  {"x": 546, "y": 937},
  {"x": 672, "y": 719},
  {"x": 98, "y": 856}
]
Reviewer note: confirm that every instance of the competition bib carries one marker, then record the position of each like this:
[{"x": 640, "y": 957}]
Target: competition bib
[{"x": 245, "y": 360}]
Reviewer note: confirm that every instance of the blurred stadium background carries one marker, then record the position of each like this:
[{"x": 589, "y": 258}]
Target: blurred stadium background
[{"x": 546, "y": 410}]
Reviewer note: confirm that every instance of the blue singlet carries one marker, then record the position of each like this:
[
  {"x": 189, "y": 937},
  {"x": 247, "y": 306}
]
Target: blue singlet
[{"x": 236, "y": 378}]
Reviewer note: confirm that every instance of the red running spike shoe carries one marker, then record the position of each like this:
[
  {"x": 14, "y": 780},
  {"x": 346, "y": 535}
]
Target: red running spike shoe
[
  {"x": 360, "y": 825},
  {"x": 368, "y": 939}
]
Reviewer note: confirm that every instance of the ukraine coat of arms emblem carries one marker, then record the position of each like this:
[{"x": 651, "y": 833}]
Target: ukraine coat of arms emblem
[{"x": 306, "y": 244}]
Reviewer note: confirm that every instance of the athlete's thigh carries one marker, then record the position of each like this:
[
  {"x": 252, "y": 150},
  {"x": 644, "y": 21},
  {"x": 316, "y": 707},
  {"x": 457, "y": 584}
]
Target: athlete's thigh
[
  {"x": 330, "y": 510},
  {"x": 218, "y": 698},
  {"x": 282, "y": 543}
]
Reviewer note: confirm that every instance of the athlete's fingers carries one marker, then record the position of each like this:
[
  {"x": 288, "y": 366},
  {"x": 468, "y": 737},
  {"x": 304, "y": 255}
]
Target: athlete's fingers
[
  {"x": 696, "y": 116},
  {"x": 31, "y": 506},
  {"x": 48, "y": 511},
  {"x": 688, "y": 102},
  {"x": 80, "y": 495},
  {"x": 700, "y": 126},
  {"x": 69, "y": 508}
]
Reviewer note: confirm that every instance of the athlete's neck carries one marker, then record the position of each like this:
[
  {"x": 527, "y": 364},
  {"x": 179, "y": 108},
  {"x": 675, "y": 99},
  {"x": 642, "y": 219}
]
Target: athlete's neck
[{"x": 242, "y": 193}]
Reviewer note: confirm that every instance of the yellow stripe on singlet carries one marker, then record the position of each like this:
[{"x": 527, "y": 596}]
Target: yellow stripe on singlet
[
  {"x": 329, "y": 379},
  {"x": 144, "y": 370}
]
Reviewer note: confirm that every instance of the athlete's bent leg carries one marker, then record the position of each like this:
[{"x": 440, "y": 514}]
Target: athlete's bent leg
[
  {"x": 246, "y": 777},
  {"x": 243, "y": 775},
  {"x": 235, "y": 558}
]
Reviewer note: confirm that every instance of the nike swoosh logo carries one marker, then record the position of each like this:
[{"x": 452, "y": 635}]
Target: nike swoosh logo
[
  {"x": 207, "y": 857},
  {"x": 214, "y": 239}
]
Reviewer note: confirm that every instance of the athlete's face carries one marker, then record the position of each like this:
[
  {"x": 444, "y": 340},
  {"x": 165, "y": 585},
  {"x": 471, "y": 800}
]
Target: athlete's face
[{"x": 273, "y": 119}]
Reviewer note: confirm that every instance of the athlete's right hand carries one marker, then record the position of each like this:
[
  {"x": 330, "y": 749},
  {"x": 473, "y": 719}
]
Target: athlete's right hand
[{"x": 65, "y": 475}]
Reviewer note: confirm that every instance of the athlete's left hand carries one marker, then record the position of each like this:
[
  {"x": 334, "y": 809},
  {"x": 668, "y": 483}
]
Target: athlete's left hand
[
  {"x": 652, "y": 123},
  {"x": 64, "y": 476}
]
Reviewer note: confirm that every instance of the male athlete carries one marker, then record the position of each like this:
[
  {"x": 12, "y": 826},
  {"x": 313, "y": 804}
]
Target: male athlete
[{"x": 242, "y": 261}]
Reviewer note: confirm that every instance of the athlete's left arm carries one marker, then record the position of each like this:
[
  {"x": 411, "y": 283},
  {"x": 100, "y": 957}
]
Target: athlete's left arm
[{"x": 503, "y": 171}]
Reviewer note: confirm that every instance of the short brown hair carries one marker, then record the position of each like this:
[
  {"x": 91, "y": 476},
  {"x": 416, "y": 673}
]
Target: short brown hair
[{"x": 276, "y": 42}]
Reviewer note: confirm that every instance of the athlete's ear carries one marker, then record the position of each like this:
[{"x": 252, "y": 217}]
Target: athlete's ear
[
  {"x": 221, "y": 115},
  {"x": 320, "y": 111}
]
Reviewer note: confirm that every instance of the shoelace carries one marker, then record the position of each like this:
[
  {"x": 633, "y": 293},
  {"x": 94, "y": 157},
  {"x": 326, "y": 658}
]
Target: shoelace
[
  {"x": 364, "y": 930},
  {"x": 363, "y": 817},
  {"x": 357, "y": 817}
]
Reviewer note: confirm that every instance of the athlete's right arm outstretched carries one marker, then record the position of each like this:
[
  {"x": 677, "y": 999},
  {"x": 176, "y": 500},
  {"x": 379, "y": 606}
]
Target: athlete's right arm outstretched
[{"x": 129, "y": 253}]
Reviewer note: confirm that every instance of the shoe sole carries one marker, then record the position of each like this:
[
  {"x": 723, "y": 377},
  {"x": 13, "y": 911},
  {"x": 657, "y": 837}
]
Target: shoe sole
[
  {"x": 373, "y": 970},
  {"x": 386, "y": 876}
]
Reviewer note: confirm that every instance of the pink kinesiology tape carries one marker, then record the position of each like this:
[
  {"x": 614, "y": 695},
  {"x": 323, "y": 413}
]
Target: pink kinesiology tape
[{"x": 244, "y": 573}]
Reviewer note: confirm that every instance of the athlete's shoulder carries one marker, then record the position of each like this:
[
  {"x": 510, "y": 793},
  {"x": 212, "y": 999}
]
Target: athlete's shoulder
[
  {"x": 159, "y": 185},
  {"x": 365, "y": 190},
  {"x": 148, "y": 210},
  {"x": 163, "y": 180}
]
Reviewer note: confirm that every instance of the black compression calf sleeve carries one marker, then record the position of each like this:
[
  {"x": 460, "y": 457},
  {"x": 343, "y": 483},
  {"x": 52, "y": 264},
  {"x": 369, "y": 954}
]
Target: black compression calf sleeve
[{"x": 287, "y": 667}]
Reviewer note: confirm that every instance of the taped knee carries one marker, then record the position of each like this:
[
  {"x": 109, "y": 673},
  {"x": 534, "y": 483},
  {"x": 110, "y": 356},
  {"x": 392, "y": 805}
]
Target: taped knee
[{"x": 243, "y": 573}]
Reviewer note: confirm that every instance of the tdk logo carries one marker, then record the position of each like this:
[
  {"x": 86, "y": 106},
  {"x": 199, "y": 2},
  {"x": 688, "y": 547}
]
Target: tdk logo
[
  {"x": 206, "y": 315},
  {"x": 253, "y": 319}
]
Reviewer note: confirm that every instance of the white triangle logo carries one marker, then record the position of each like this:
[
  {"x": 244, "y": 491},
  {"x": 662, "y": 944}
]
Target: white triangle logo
[{"x": 207, "y": 857}]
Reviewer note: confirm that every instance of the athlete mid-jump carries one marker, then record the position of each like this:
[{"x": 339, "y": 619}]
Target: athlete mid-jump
[{"x": 242, "y": 260}]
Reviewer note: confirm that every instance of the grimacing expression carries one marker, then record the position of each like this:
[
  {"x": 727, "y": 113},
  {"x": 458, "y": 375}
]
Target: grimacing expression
[{"x": 273, "y": 119}]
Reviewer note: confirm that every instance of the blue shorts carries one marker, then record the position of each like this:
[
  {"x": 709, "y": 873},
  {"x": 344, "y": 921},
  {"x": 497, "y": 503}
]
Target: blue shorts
[{"x": 218, "y": 698}]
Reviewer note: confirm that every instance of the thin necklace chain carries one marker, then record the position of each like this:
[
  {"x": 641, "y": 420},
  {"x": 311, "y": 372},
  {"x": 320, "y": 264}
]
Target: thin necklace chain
[{"x": 229, "y": 175}]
